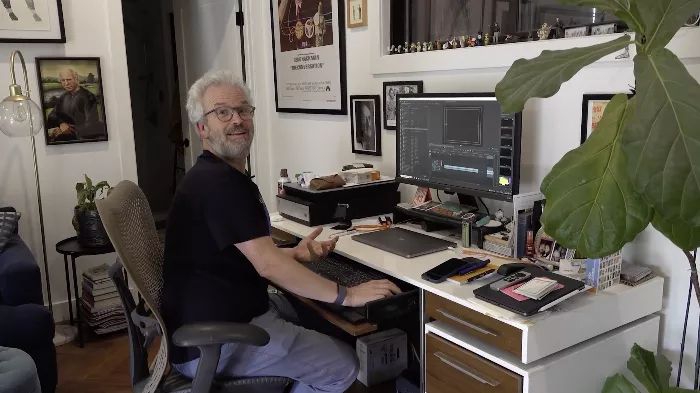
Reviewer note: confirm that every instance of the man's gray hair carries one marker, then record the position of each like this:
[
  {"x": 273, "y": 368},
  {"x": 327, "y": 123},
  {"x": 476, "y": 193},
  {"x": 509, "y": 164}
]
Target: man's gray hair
[
  {"x": 72, "y": 72},
  {"x": 195, "y": 109}
]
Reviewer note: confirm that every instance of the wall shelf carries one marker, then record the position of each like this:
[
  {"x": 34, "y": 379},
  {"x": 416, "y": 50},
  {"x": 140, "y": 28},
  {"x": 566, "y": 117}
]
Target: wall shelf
[{"x": 684, "y": 45}]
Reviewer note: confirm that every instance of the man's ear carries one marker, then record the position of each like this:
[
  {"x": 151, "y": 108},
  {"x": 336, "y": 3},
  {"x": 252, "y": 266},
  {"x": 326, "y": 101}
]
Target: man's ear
[{"x": 202, "y": 130}]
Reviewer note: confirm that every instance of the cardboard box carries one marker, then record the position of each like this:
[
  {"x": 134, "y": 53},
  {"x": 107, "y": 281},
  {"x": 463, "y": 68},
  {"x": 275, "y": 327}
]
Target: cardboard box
[
  {"x": 383, "y": 356},
  {"x": 359, "y": 176}
]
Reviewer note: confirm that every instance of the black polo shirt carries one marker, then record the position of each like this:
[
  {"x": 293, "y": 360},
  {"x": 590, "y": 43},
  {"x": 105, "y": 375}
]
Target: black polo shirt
[{"x": 206, "y": 278}]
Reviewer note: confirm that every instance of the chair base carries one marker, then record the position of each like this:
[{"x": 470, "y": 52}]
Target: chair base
[{"x": 64, "y": 334}]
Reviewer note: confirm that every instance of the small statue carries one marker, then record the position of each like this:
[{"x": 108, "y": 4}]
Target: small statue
[
  {"x": 399, "y": 49},
  {"x": 438, "y": 45},
  {"x": 454, "y": 43},
  {"x": 413, "y": 48},
  {"x": 462, "y": 42},
  {"x": 480, "y": 39},
  {"x": 486, "y": 39},
  {"x": 425, "y": 46},
  {"x": 430, "y": 46},
  {"x": 446, "y": 45},
  {"x": 559, "y": 28},
  {"x": 511, "y": 40},
  {"x": 471, "y": 42},
  {"x": 419, "y": 47},
  {"x": 543, "y": 32},
  {"x": 496, "y": 33},
  {"x": 406, "y": 47},
  {"x": 391, "y": 49}
]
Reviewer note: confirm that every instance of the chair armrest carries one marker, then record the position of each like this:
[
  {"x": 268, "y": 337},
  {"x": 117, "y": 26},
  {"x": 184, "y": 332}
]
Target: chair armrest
[{"x": 219, "y": 333}]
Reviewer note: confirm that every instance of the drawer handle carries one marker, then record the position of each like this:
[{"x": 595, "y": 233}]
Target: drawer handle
[
  {"x": 465, "y": 323},
  {"x": 465, "y": 370}
]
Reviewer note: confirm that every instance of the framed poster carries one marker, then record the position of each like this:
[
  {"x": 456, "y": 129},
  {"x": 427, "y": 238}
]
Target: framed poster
[
  {"x": 308, "y": 47},
  {"x": 366, "y": 127},
  {"x": 32, "y": 21},
  {"x": 357, "y": 13},
  {"x": 391, "y": 89},
  {"x": 592, "y": 111},
  {"x": 72, "y": 99}
]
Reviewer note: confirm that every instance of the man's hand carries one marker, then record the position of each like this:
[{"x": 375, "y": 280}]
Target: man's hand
[
  {"x": 309, "y": 250},
  {"x": 374, "y": 290},
  {"x": 66, "y": 128}
]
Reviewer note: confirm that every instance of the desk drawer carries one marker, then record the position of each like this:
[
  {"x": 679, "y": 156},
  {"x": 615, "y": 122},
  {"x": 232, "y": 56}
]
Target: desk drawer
[
  {"x": 450, "y": 368},
  {"x": 487, "y": 329}
]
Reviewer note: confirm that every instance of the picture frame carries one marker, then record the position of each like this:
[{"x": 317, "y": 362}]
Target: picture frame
[
  {"x": 390, "y": 91},
  {"x": 71, "y": 92},
  {"x": 308, "y": 48},
  {"x": 356, "y": 13},
  {"x": 592, "y": 110},
  {"x": 32, "y": 21},
  {"x": 366, "y": 131}
]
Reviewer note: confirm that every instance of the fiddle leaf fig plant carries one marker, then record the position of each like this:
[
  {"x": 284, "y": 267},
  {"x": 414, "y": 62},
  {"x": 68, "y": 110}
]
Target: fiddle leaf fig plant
[
  {"x": 652, "y": 371},
  {"x": 642, "y": 162}
]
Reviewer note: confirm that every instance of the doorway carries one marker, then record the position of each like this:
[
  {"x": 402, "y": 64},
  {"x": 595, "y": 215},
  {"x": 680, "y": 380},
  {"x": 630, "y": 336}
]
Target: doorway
[{"x": 149, "y": 34}]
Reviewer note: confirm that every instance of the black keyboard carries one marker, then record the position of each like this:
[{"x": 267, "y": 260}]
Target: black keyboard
[{"x": 341, "y": 272}]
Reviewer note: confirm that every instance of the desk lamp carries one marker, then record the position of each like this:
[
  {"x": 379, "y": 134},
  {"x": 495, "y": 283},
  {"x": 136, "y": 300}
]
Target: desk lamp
[{"x": 22, "y": 117}]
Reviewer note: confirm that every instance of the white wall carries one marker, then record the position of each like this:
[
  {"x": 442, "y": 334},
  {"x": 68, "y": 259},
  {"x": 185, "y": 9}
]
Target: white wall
[
  {"x": 550, "y": 128},
  {"x": 93, "y": 28}
]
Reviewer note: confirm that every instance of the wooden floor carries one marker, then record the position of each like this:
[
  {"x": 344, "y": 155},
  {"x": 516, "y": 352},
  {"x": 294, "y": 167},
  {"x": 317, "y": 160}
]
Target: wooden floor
[{"x": 103, "y": 367}]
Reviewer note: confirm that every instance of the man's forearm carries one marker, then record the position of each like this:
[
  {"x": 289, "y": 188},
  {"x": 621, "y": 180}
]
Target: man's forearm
[{"x": 291, "y": 275}]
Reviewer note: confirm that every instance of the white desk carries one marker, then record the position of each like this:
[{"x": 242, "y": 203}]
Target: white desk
[{"x": 598, "y": 325}]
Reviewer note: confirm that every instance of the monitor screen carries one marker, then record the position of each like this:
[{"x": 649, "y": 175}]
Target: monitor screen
[{"x": 458, "y": 142}]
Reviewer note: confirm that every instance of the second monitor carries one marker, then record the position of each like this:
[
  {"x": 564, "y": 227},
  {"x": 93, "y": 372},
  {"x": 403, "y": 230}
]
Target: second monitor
[{"x": 458, "y": 142}]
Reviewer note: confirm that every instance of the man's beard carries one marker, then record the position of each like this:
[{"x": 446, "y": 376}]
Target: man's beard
[{"x": 227, "y": 149}]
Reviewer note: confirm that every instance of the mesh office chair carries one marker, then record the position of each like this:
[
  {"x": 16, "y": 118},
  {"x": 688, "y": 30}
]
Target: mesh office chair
[{"x": 129, "y": 223}]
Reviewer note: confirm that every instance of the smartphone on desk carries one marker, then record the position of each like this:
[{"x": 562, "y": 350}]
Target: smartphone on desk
[{"x": 452, "y": 267}]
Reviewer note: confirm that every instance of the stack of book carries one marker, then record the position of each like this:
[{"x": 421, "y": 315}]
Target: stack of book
[{"x": 100, "y": 302}]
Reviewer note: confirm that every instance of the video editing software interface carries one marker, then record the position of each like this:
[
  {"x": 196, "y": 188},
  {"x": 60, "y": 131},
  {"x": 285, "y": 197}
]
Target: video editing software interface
[{"x": 458, "y": 142}]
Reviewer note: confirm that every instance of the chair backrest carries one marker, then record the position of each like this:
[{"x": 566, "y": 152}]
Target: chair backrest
[{"x": 128, "y": 220}]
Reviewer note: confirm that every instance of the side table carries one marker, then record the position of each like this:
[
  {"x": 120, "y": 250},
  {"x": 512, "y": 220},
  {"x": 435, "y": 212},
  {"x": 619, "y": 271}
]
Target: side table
[{"x": 71, "y": 247}]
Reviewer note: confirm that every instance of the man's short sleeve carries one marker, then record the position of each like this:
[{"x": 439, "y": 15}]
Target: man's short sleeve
[{"x": 235, "y": 213}]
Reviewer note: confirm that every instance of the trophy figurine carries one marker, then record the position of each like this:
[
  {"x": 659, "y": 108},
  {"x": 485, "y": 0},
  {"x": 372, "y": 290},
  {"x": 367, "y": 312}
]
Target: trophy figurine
[
  {"x": 496, "y": 33},
  {"x": 419, "y": 47},
  {"x": 413, "y": 48},
  {"x": 480, "y": 39},
  {"x": 462, "y": 42},
  {"x": 425, "y": 46},
  {"x": 559, "y": 28},
  {"x": 543, "y": 32},
  {"x": 486, "y": 39}
]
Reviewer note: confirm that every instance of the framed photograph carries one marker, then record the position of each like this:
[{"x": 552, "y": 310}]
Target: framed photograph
[
  {"x": 357, "y": 13},
  {"x": 308, "y": 47},
  {"x": 391, "y": 89},
  {"x": 72, "y": 99},
  {"x": 32, "y": 21},
  {"x": 580, "y": 31},
  {"x": 366, "y": 126},
  {"x": 607, "y": 28}
]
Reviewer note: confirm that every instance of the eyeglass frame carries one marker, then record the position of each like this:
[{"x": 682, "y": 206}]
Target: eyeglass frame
[{"x": 233, "y": 110}]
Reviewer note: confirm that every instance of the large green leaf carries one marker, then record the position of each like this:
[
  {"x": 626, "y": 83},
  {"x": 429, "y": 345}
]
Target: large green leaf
[
  {"x": 591, "y": 202},
  {"x": 618, "y": 383},
  {"x": 543, "y": 76},
  {"x": 663, "y": 18},
  {"x": 682, "y": 235},
  {"x": 662, "y": 143},
  {"x": 624, "y": 9},
  {"x": 651, "y": 371}
]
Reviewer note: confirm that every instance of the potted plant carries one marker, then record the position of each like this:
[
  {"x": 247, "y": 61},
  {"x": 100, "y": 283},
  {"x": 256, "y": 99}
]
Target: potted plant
[{"x": 86, "y": 220}]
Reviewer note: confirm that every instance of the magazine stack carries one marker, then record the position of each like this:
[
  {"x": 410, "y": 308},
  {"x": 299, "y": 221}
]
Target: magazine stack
[{"x": 101, "y": 307}]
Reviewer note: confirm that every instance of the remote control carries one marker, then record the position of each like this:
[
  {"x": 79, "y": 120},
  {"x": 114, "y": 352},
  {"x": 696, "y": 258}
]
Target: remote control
[{"x": 513, "y": 279}]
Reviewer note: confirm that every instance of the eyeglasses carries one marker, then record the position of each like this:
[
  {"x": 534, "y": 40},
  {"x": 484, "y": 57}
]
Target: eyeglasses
[{"x": 225, "y": 113}]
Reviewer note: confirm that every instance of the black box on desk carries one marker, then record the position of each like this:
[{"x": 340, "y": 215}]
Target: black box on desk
[
  {"x": 317, "y": 207},
  {"x": 383, "y": 356}
]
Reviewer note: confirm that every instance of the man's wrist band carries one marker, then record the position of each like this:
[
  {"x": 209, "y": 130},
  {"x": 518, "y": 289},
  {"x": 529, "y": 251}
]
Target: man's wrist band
[{"x": 342, "y": 293}]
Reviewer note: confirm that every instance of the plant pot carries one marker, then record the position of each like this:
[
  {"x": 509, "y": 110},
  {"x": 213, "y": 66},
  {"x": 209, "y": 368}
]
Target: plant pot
[{"x": 91, "y": 232}]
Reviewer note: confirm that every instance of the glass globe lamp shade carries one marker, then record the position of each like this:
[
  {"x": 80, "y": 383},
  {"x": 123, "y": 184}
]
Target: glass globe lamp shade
[{"x": 20, "y": 117}]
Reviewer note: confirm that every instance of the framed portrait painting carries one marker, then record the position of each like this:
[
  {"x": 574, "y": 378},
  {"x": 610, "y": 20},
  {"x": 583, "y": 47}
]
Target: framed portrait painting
[
  {"x": 72, "y": 99},
  {"x": 391, "y": 90},
  {"x": 366, "y": 128},
  {"x": 308, "y": 47},
  {"x": 32, "y": 21}
]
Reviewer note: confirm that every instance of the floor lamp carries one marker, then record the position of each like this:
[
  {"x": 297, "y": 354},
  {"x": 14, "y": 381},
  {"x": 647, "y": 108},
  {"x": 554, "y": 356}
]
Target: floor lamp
[{"x": 22, "y": 117}]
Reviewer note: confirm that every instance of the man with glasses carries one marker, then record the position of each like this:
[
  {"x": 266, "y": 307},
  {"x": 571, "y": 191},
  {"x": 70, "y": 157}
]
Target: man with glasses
[{"x": 219, "y": 257}]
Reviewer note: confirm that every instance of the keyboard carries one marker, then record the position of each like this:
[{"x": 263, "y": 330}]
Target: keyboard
[{"x": 341, "y": 272}]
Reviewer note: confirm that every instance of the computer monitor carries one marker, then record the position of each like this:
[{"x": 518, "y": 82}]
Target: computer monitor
[{"x": 459, "y": 143}]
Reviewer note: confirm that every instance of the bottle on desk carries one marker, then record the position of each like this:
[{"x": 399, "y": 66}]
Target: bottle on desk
[{"x": 284, "y": 178}]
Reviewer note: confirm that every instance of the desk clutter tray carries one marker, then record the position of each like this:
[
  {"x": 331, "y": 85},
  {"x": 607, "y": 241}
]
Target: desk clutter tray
[{"x": 546, "y": 288}]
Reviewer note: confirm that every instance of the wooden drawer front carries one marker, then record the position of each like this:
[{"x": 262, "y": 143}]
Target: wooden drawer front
[
  {"x": 487, "y": 329},
  {"x": 450, "y": 368}
]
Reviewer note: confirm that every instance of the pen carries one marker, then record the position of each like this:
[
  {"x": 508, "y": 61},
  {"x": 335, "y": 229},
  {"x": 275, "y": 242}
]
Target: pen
[{"x": 481, "y": 275}]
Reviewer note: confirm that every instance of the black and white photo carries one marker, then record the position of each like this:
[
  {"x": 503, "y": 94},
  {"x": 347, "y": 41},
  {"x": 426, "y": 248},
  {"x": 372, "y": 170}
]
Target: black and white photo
[
  {"x": 32, "y": 21},
  {"x": 366, "y": 126},
  {"x": 391, "y": 90}
]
